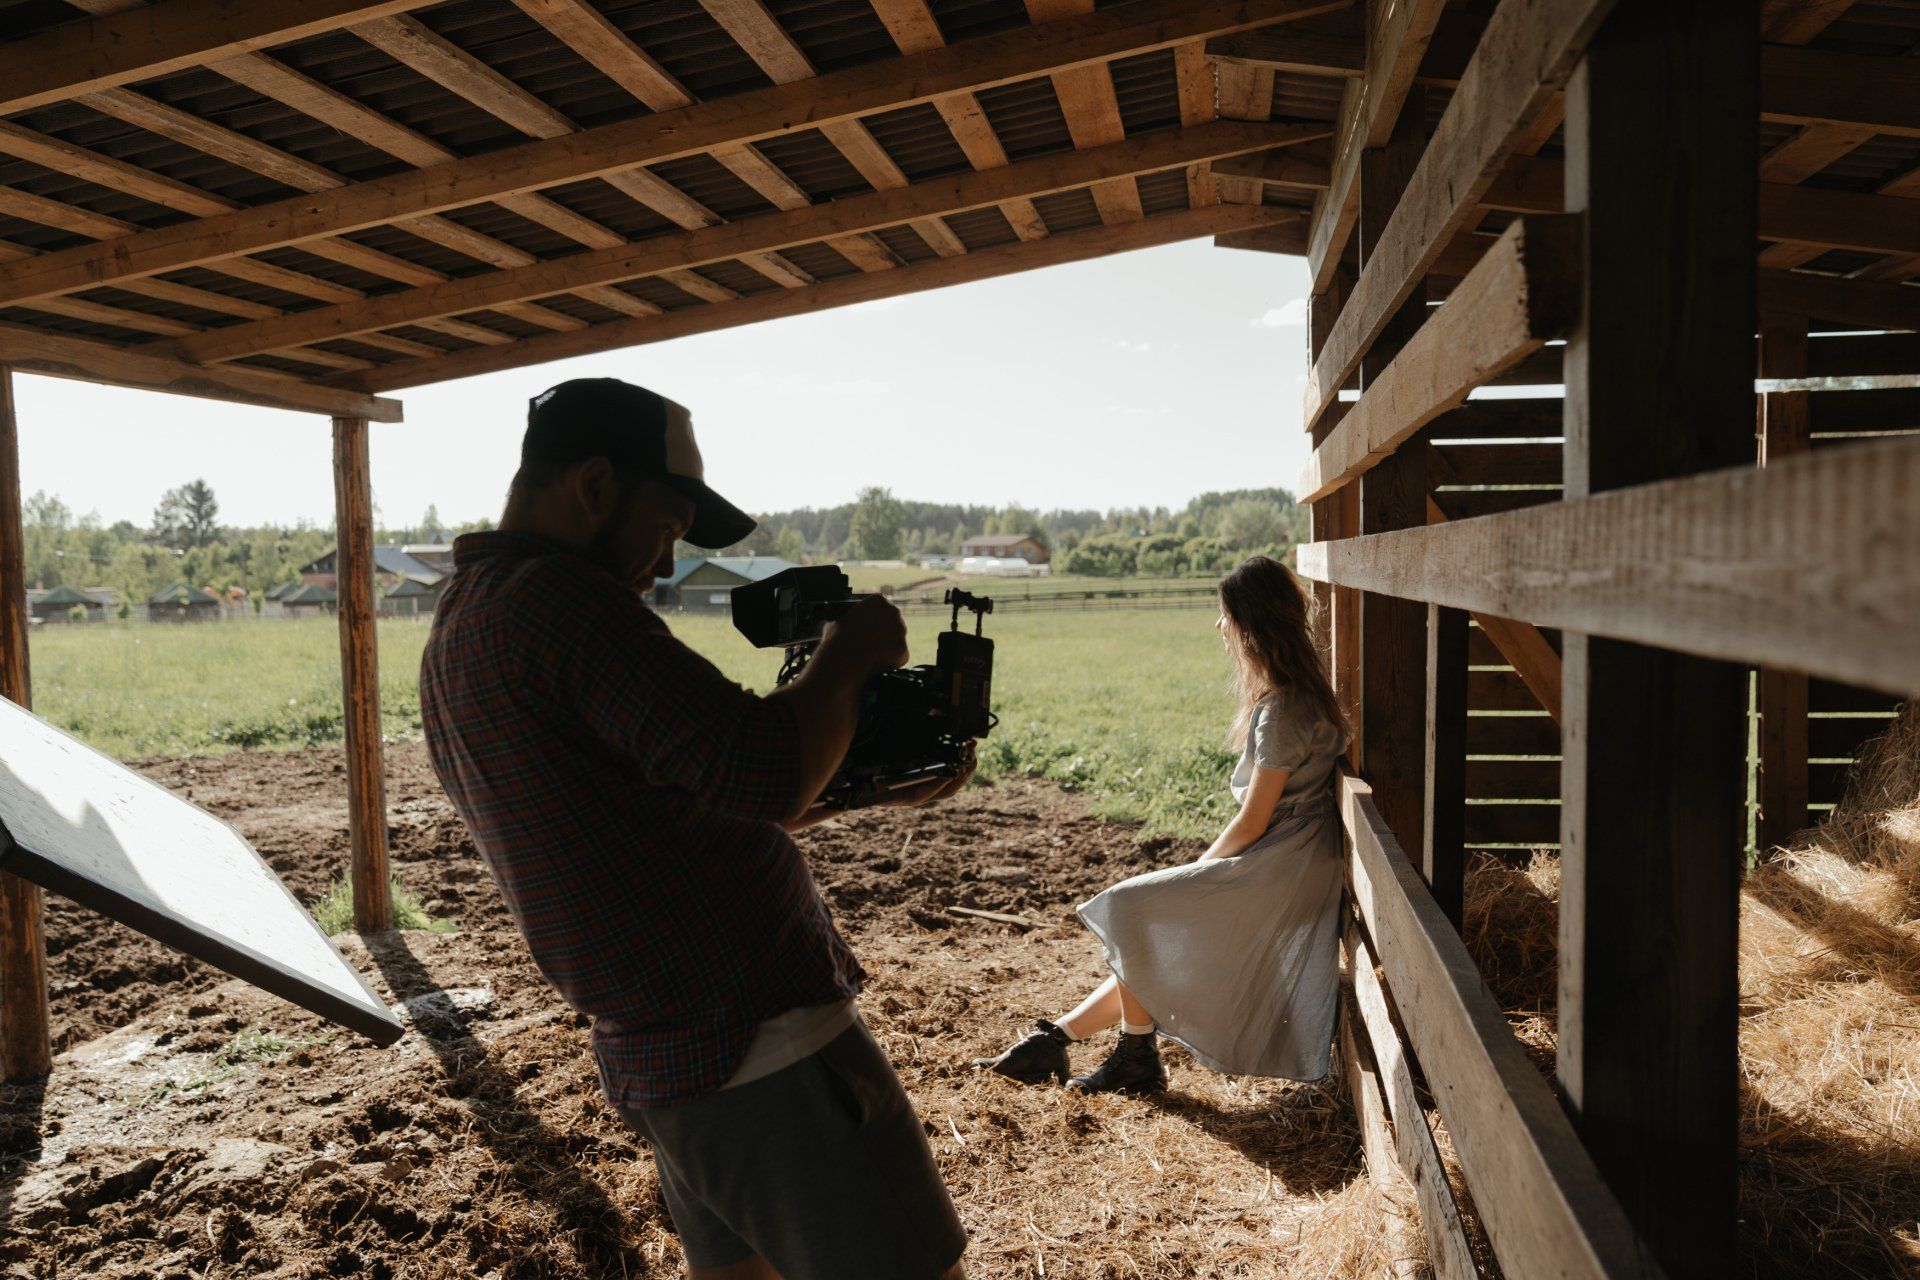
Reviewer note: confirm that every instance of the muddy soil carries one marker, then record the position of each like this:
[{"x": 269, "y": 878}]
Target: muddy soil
[{"x": 194, "y": 1126}]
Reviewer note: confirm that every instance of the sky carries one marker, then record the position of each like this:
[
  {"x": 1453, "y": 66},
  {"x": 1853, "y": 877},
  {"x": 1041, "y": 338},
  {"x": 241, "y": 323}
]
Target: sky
[{"x": 1136, "y": 380}]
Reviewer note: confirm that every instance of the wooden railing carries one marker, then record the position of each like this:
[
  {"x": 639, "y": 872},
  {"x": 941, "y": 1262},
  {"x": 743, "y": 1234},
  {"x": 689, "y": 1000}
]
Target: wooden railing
[{"x": 1545, "y": 1209}]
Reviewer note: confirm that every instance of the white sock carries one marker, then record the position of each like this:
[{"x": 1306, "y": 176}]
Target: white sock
[
  {"x": 1128, "y": 1029},
  {"x": 1065, "y": 1031}
]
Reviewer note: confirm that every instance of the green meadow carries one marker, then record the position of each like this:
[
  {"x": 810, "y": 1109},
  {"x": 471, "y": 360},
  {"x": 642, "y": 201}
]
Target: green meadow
[{"x": 1130, "y": 707}]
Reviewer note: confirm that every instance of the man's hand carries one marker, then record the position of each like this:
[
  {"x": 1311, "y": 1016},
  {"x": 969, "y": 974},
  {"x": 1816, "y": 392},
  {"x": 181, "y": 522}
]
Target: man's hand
[
  {"x": 872, "y": 635},
  {"x": 938, "y": 788}
]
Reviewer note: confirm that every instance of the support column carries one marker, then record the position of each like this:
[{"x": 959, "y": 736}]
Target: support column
[
  {"x": 1661, "y": 161},
  {"x": 1337, "y": 609},
  {"x": 25, "y": 1048},
  {"x": 1781, "y": 696},
  {"x": 1443, "y": 856},
  {"x": 1393, "y": 495},
  {"x": 360, "y": 676}
]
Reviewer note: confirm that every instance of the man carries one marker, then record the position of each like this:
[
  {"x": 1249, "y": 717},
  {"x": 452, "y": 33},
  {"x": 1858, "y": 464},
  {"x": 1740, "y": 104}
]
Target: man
[{"x": 634, "y": 808}]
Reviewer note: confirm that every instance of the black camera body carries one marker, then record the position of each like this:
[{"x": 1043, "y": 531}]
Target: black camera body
[{"x": 917, "y": 723}]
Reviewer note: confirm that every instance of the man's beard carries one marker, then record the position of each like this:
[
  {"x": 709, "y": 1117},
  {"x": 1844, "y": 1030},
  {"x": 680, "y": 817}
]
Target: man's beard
[{"x": 604, "y": 550}]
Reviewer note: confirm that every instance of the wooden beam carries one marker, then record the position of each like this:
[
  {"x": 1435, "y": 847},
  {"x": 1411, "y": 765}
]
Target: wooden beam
[
  {"x": 1780, "y": 783},
  {"x": 982, "y": 264},
  {"x": 360, "y": 676},
  {"x": 1868, "y": 304},
  {"x": 1092, "y": 112},
  {"x": 153, "y": 40},
  {"x": 26, "y": 1052},
  {"x": 1545, "y": 1210},
  {"x": 1630, "y": 564},
  {"x": 1523, "y": 293},
  {"x": 1302, "y": 165},
  {"x": 1524, "y": 56},
  {"x": 1813, "y": 86},
  {"x": 1396, "y": 45},
  {"x": 35, "y": 351},
  {"x": 1447, "y": 1247},
  {"x": 1144, "y": 26},
  {"x": 1444, "y": 849},
  {"x": 951, "y": 194}
]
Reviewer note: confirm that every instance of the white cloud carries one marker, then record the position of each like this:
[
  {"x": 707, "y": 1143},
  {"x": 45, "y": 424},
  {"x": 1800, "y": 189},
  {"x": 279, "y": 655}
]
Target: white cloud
[
  {"x": 1127, "y": 344},
  {"x": 1290, "y": 316}
]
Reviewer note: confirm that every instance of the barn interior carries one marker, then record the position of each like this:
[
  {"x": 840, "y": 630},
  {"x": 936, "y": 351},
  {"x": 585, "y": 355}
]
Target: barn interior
[{"x": 1681, "y": 240}]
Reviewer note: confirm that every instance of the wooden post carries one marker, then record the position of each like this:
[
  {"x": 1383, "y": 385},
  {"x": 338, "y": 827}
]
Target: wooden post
[
  {"x": 1443, "y": 857},
  {"x": 1781, "y": 696},
  {"x": 360, "y": 675},
  {"x": 1337, "y": 620},
  {"x": 1661, "y": 161},
  {"x": 26, "y": 1050},
  {"x": 1393, "y": 495}
]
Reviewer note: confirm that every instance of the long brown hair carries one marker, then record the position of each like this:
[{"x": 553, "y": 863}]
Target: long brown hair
[{"x": 1270, "y": 634}]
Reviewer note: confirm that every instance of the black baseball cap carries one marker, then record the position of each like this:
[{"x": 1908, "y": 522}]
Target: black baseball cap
[{"x": 639, "y": 431}]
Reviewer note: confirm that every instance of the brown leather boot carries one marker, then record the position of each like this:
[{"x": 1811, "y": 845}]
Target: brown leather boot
[
  {"x": 1134, "y": 1066},
  {"x": 1041, "y": 1055}
]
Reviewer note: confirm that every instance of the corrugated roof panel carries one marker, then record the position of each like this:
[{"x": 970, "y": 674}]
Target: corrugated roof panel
[
  {"x": 295, "y": 259},
  {"x": 216, "y": 282},
  {"x": 981, "y": 228},
  {"x": 615, "y": 210},
  {"x": 705, "y": 179},
  {"x": 1164, "y": 192},
  {"x": 835, "y": 33},
  {"x": 661, "y": 294},
  {"x": 739, "y": 277},
  {"x": 46, "y": 322},
  {"x": 1068, "y": 210},
  {"x": 919, "y": 141},
  {"x": 1302, "y": 97},
  {"x": 1147, "y": 90},
  {"x": 512, "y": 229},
  {"x": 906, "y": 244},
  {"x": 967, "y": 19},
  {"x": 433, "y": 338},
  {"x": 22, "y": 175},
  {"x": 1026, "y": 116},
  {"x": 815, "y": 164},
  {"x": 820, "y": 261}
]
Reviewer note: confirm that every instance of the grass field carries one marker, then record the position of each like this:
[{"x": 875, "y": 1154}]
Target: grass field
[{"x": 1129, "y": 707}]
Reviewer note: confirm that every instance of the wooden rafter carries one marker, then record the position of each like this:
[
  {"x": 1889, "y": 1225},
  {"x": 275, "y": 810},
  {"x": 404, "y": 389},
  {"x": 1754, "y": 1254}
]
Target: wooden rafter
[
  {"x": 763, "y": 233},
  {"x": 982, "y": 264},
  {"x": 1092, "y": 111},
  {"x": 843, "y": 95},
  {"x": 142, "y": 43}
]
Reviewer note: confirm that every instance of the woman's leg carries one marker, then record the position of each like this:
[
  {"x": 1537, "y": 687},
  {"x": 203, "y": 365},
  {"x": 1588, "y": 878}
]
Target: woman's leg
[
  {"x": 1096, "y": 1013},
  {"x": 1132, "y": 1012}
]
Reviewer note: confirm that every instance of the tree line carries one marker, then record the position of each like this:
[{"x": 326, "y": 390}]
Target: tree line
[
  {"x": 184, "y": 542},
  {"x": 1209, "y": 535}
]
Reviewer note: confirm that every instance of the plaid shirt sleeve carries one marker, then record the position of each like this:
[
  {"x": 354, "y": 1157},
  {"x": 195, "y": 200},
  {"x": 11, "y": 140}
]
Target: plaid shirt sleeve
[{"x": 615, "y": 666}]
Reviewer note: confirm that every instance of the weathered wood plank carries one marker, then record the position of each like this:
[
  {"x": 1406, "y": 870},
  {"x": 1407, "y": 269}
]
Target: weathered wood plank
[
  {"x": 360, "y": 677},
  {"x": 1525, "y": 55},
  {"x": 36, "y": 351},
  {"x": 1544, "y": 1207},
  {"x": 953, "y": 193},
  {"x": 1448, "y": 776},
  {"x": 1520, "y": 295},
  {"x": 983, "y": 264},
  {"x": 1362, "y": 1080},
  {"x": 1145, "y": 26}
]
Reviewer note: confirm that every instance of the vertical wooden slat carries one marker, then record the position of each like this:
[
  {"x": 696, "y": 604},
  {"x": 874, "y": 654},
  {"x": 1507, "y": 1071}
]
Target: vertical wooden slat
[
  {"x": 1443, "y": 857},
  {"x": 1781, "y": 787},
  {"x": 1336, "y": 618},
  {"x": 1661, "y": 162},
  {"x": 1393, "y": 495},
  {"x": 25, "y": 1049},
  {"x": 360, "y": 675}
]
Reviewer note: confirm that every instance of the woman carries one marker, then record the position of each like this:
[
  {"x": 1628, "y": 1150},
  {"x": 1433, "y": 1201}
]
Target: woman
[{"x": 1234, "y": 956}]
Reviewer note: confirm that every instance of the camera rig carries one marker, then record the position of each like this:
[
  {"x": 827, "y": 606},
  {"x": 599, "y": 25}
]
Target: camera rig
[{"x": 915, "y": 724}]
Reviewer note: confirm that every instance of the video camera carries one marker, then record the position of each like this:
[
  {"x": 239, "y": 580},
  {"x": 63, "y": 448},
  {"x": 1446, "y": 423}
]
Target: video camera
[{"x": 915, "y": 724}]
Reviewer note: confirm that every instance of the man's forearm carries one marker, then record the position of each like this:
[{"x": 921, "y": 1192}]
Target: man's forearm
[{"x": 826, "y": 706}]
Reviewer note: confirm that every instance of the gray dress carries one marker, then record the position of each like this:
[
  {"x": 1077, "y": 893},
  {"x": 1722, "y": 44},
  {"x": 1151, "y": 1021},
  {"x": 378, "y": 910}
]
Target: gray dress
[{"x": 1237, "y": 958}]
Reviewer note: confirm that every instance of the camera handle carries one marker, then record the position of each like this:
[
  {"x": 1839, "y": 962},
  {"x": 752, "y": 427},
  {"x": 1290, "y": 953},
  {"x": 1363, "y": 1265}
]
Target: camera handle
[{"x": 980, "y": 605}]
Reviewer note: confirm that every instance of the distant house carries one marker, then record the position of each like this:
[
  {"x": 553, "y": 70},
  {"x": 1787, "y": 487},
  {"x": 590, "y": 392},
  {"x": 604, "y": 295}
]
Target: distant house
[
  {"x": 704, "y": 584},
  {"x": 408, "y": 596},
  {"x": 392, "y": 565},
  {"x": 439, "y": 555},
  {"x": 305, "y": 598},
  {"x": 182, "y": 602},
  {"x": 57, "y": 605},
  {"x": 1006, "y": 546}
]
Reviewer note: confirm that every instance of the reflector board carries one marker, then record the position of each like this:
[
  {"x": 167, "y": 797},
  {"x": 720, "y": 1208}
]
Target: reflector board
[{"x": 82, "y": 824}]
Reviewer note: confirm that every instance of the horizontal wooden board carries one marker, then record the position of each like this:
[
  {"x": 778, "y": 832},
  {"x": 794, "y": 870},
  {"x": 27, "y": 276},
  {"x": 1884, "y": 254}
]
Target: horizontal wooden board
[
  {"x": 1843, "y": 736},
  {"x": 1874, "y": 410},
  {"x": 1499, "y": 691},
  {"x": 1512, "y": 735},
  {"x": 1513, "y": 779},
  {"x": 1544, "y": 1205},
  {"x": 1832, "y": 695},
  {"x": 1529, "y": 417},
  {"x": 1535, "y": 824},
  {"x": 1856, "y": 354},
  {"x": 86, "y": 826},
  {"x": 1809, "y": 564},
  {"x": 1464, "y": 504},
  {"x": 1502, "y": 463}
]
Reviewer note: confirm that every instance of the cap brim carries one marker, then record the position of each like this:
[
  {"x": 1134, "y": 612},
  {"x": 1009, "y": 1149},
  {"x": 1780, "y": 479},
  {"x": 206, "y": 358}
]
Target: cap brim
[{"x": 716, "y": 522}]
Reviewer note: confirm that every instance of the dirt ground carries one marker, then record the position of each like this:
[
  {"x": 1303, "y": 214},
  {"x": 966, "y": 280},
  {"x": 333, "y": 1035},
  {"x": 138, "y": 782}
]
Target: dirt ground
[{"x": 196, "y": 1127}]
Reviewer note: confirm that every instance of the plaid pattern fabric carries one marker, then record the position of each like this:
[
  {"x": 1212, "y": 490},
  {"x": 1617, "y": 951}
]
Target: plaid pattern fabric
[{"x": 625, "y": 796}]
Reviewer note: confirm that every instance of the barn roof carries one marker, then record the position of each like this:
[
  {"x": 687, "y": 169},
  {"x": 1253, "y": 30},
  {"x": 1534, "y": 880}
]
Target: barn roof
[
  {"x": 310, "y": 202},
  {"x": 183, "y": 594},
  {"x": 309, "y": 593},
  {"x": 62, "y": 596}
]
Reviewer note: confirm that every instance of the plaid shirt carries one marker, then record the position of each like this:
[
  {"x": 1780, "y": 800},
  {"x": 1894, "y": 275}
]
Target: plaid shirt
[{"x": 625, "y": 796}]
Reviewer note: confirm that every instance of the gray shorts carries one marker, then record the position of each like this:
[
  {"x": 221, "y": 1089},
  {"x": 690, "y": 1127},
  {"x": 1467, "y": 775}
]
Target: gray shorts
[{"x": 821, "y": 1168}]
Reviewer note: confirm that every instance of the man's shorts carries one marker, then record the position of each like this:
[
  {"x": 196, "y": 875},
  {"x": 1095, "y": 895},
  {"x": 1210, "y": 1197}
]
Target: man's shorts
[{"x": 821, "y": 1168}]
